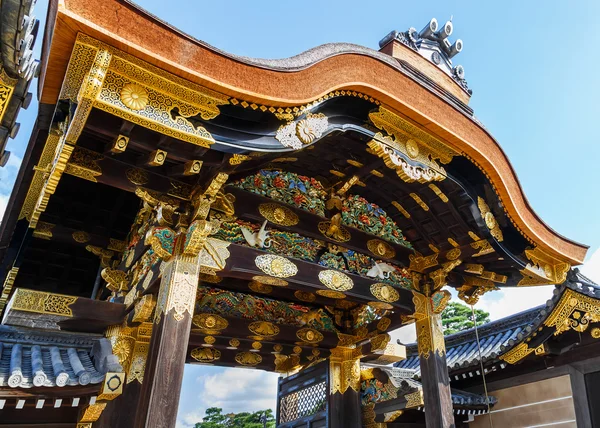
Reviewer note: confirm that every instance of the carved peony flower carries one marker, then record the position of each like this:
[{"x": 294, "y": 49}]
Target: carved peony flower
[{"x": 134, "y": 96}]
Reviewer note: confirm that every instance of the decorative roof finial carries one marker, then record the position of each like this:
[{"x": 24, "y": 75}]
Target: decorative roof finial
[{"x": 433, "y": 43}]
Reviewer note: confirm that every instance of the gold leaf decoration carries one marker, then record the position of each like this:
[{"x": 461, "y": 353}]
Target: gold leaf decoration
[
  {"x": 264, "y": 328},
  {"x": 336, "y": 280},
  {"x": 305, "y": 296},
  {"x": 81, "y": 236},
  {"x": 385, "y": 292},
  {"x": 234, "y": 343},
  {"x": 381, "y": 248},
  {"x": 269, "y": 280},
  {"x": 331, "y": 294},
  {"x": 257, "y": 287},
  {"x": 490, "y": 220},
  {"x": 134, "y": 96},
  {"x": 210, "y": 323},
  {"x": 309, "y": 335},
  {"x": 205, "y": 355},
  {"x": 380, "y": 305},
  {"x": 383, "y": 324},
  {"x": 278, "y": 214},
  {"x": 276, "y": 266},
  {"x": 248, "y": 358},
  {"x": 137, "y": 176},
  {"x": 453, "y": 254}
]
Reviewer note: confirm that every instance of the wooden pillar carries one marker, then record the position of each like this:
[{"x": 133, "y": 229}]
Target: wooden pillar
[
  {"x": 166, "y": 357},
  {"x": 434, "y": 369},
  {"x": 344, "y": 388}
]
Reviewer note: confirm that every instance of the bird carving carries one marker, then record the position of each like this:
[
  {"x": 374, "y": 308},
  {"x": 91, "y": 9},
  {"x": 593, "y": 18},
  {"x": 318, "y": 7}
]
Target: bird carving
[
  {"x": 257, "y": 239},
  {"x": 381, "y": 270}
]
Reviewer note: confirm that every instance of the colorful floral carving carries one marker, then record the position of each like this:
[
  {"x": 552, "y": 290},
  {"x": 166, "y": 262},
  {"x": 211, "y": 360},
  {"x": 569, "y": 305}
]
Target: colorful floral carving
[
  {"x": 375, "y": 391},
  {"x": 360, "y": 213},
  {"x": 285, "y": 243},
  {"x": 227, "y": 303},
  {"x": 351, "y": 261},
  {"x": 298, "y": 190}
]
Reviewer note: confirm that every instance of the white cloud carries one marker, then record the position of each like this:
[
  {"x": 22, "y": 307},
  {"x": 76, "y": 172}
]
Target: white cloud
[
  {"x": 591, "y": 268},
  {"x": 232, "y": 389},
  {"x": 3, "y": 203}
]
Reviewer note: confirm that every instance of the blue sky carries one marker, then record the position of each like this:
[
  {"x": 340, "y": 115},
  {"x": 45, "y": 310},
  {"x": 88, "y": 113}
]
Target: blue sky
[{"x": 532, "y": 66}]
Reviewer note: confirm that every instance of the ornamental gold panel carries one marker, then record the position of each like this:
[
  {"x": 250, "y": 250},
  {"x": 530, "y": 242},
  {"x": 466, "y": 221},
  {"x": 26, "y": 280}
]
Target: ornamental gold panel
[
  {"x": 7, "y": 85},
  {"x": 264, "y": 329},
  {"x": 148, "y": 96},
  {"x": 120, "y": 144},
  {"x": 305, "y": 296},
  {"x": 384, "y": 292},
  {"x": 489, "y": 219},
  {"x": 276, "y": 266},
  {"x": 381, "y": 305},
  {"x": 83, "y": 163},
  {"x": 278, "y": 214},
  {"x": 42, "y": 303},
  {"x": 309, "y": 335},
  {"x": 383, "y": 324},
  {"x": 205, "y": 355},
  {"x": 381, "y": 249},
  {"x": 112, "y": 386},
  {"x": 257, "y": 287},
  {"x": 269, "y": 280},
  {"x": 543, "y": 267},
  {"x": 248, "y": 359},
  {"x": 420, "y": 263},
  {"x": 331, "y": 294},
  {"x": 335, "y": 280},
  {"x": 210, "y": 323},
  {"x": 574, "y": 311}
]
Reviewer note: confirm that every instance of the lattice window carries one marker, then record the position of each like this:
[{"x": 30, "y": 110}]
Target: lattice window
[{"x": 304, "y": 402}]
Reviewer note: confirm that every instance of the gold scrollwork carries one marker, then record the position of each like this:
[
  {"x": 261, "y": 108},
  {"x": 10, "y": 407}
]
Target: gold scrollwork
[
  {"x": 336, "y": 280},
  {"x": 276, "y": 266},
  {"x": 43, "y": 230},
  {"x": 137, "y": 176},
  {"x": 381, "y": 248},
  {"x": 278, "y": 214},
  {"x": 573, "y": 312},
  {"x": 517, "y": 353},
  {"x": 334, "y": 230},
  {"x": 83, "y": 163},
  {"x": 420, "y": 263},
  {"x": 384, "y": 292},
  {"x": 42, "y": 303}
]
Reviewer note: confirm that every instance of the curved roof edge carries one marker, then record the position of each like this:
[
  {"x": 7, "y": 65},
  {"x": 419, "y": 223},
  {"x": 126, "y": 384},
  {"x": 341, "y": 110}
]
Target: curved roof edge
[{"x": 299, "y": 80}]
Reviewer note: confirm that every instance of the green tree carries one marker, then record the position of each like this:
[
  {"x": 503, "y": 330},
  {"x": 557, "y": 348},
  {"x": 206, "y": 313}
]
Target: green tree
[
  {"x": 458, "y": 317},
  {"x": 216, "y": 419}
]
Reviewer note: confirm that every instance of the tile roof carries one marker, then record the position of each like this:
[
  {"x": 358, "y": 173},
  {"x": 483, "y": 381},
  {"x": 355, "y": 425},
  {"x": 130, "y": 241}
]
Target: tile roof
[
  {"x": 498, "y": 337},
  {"x": 30, "y": 358}
]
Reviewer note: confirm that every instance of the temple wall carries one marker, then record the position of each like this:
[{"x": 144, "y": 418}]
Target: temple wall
[{"x": 546, "y": 402}]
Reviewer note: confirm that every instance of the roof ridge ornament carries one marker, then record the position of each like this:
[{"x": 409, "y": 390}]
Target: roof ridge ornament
[{"x": 433, "y": 43}]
